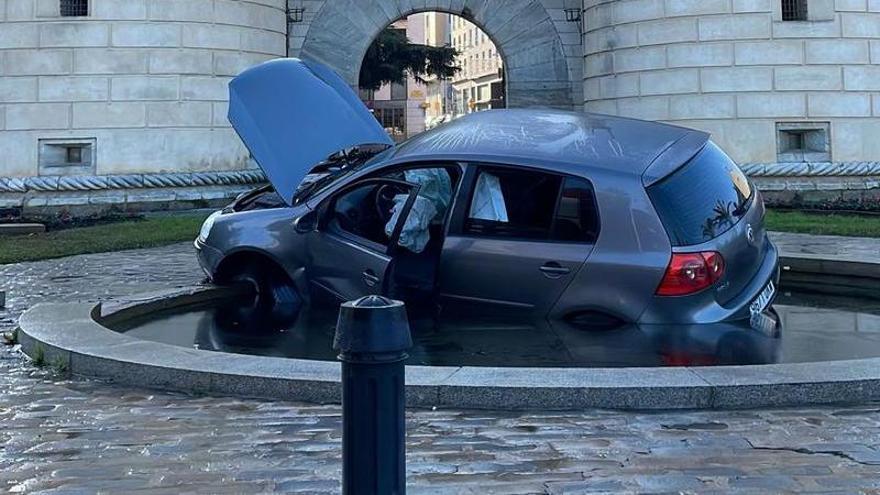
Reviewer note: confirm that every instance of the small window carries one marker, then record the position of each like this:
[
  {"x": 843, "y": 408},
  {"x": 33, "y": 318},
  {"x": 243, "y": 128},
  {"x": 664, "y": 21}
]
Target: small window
[
  {"x": 398, "y": 91},
  {"x": 794, "y": 10},
  {"x": 74, "y": 155},
  {"x": 799, "y": 142},
  {"x": 74, "y": 8},
  {"x": 532, "y": 205},
  {"x": 66, "y": 156},
  {"x": 366, "y": 210}
]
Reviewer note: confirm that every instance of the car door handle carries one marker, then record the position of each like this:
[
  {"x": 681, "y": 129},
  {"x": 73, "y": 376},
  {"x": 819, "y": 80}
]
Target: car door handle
[
  {"x": 553, "y": 269},
  {"x": 370, "y": 278}
]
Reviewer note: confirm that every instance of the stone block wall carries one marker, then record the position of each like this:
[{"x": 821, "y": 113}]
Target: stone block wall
[
  {"x": 145, "y": 79},
  {"x": 735, "y": 69}
]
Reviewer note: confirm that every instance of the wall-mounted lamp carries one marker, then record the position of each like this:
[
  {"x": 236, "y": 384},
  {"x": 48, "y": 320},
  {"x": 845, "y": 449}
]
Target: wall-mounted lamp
[
  {"x": 295, "y": 15},
  {"x": 295, "y": 11}
]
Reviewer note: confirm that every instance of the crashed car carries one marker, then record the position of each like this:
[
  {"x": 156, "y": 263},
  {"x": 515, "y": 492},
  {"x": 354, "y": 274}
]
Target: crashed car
[{"x": 552, "y": 213}]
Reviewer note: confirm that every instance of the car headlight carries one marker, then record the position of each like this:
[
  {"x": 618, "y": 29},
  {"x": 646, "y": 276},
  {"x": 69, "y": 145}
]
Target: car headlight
[{"x": 209, "y": 223}]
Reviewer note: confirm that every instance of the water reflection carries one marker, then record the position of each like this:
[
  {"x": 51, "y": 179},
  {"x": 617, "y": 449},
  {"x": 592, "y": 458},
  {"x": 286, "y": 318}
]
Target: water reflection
[
  {"x": 816, "y": 328},
  {"x": 466, "y": 339}
]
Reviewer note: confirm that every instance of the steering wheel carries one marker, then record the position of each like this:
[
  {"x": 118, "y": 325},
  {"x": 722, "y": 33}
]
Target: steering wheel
[{"x": 385, "y": 200}]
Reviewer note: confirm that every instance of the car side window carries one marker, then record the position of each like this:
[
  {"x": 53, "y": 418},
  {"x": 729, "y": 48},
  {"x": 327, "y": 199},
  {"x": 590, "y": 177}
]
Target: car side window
[
  {"x": 576, "y": 217},
  {"x": 524, "y": 204},
  {"x": 365, "y": 210},
  {"x": 513, "y": 203}
]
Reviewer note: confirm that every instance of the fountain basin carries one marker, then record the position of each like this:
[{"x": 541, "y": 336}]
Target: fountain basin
[{"x": 76, "y": 337}]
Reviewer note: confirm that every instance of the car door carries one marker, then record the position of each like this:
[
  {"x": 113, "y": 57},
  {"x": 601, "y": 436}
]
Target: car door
[
  {"x": 352, "y": 248},
  {"x": 518, "y": 238}
]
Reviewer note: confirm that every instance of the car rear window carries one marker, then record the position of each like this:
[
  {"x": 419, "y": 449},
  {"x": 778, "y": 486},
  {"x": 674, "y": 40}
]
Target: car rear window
[{"x": 703, "y": 199}]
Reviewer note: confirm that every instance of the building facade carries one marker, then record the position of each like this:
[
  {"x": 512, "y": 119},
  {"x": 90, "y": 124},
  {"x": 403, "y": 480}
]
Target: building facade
[
  {"x": 438, "y": 92},
  {"x": 480, "y": 84},
  {"x": 796, "y": 86},
  {"x": 400, "y": 108},
  {"x": 109, "y": 101},
  {"x": 95, "y": 94}
]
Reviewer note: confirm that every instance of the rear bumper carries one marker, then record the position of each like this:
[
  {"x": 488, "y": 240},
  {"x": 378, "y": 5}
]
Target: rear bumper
[
  {"x": 209, "y": 258},
  {"x": 704, "y": 308}
]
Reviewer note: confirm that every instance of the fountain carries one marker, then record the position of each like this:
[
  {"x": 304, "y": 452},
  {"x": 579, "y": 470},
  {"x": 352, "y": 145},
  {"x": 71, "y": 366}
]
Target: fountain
[{"x": 218, "y": 340}]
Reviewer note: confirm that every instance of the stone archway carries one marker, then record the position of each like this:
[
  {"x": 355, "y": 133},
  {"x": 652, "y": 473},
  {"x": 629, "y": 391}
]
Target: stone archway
[{"x": 522, "y": 30}]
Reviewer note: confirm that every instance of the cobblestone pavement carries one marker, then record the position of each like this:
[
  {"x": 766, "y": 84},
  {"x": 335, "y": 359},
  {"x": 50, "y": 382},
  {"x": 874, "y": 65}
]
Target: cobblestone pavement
[{"x": 60, "y": 435}]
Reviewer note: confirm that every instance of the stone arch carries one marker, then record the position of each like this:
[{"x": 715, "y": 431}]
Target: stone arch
[{"x": 523, "y": 31}]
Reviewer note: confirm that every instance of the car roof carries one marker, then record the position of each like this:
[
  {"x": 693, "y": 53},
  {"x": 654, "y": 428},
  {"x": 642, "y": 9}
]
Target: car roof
[{"x": 550, "y": 138}]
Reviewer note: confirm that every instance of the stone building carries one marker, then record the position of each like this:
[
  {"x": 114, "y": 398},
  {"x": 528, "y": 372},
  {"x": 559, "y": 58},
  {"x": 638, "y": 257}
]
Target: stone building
[
  {"x": 132, "y": 94},
  {"x": 480, "y": 84},
  {"x": 400, "y": 108},
  {"x": 124, "y": 101},
  {"x": 771, "y": 88},
  {"x": 439, "y": 99}
]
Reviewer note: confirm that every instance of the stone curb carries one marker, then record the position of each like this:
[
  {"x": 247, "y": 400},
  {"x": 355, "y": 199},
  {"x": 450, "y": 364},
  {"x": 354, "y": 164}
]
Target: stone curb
[
  {"x": 817, "y": 265},
  {"x": 69, "y": 336}
]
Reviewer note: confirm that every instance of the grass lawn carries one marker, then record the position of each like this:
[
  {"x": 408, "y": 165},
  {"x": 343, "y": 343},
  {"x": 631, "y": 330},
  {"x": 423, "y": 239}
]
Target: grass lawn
[
  {"x": 159, "y": 231},
  {"x": 823, "y": 224},
  {"x": 150, "y": 232}
]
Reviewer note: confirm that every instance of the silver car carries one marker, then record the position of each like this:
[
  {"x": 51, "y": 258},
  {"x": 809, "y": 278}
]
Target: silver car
[{"x": 566, "y": 215}]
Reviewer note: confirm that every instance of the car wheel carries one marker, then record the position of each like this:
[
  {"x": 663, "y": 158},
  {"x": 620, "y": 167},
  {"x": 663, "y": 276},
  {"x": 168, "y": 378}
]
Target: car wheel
[{"x": 275, "y": 296}]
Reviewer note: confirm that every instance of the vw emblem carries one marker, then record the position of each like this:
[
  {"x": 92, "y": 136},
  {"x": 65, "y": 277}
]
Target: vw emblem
[{"x": 750, "y": 234}]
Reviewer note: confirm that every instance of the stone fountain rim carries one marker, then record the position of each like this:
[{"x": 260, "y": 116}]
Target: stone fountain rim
[{"x": 70, "y": 337}]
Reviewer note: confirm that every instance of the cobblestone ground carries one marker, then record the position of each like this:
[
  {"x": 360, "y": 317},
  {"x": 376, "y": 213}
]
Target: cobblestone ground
[{"x": 60, "y": 435}]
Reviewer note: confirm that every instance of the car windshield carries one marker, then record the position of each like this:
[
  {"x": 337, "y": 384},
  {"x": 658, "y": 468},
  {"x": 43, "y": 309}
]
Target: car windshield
[
  {"x": 703, "y": 199},
  {"x": 337, "y": 166}
]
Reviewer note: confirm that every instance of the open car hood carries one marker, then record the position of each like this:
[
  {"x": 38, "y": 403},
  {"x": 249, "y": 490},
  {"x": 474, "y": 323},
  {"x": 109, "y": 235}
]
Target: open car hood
[{"x": 292, "y": 114}]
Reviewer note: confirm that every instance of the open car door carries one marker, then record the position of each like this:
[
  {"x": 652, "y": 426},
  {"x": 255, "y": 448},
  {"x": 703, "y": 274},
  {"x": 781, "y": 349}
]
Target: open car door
[
  {"x": 292, "y": 114},
  {"x": 357, "y": 236}
]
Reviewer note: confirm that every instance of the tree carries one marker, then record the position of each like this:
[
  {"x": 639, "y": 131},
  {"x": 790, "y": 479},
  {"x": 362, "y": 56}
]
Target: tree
[{"x": 392, "y": 57}]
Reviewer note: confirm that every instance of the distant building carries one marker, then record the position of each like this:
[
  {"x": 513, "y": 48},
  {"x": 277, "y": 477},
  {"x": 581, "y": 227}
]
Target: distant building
[
  {"x": 480, "y": 84},
  {"x": 439, "y": 102},
  {"x": 400, "y": 108}
]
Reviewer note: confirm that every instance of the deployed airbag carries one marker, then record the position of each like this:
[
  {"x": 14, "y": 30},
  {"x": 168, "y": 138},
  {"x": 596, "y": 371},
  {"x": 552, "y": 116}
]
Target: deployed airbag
[
  {"x": 433, "y": 199},
  {"x": 414, "y": 235},
  {"x": 488, "y": 202}
]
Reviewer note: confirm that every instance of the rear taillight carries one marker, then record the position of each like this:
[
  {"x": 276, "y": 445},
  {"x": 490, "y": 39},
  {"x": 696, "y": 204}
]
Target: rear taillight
[{"x": 689, "y": 273}]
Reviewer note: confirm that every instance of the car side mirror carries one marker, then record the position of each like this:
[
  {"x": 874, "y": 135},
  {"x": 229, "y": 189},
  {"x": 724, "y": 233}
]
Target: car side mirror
[{"x": 306, "y": 223}]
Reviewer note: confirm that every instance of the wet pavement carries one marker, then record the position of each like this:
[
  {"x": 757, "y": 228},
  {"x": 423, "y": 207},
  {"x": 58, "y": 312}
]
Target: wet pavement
[{"x": 60, "y": 435}]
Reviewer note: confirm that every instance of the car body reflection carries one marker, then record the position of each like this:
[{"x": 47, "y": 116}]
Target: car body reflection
[{"x": 493, "y": 339}]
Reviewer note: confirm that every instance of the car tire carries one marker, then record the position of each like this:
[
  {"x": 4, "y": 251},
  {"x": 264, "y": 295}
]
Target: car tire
[{"x": 275, "y": 294}]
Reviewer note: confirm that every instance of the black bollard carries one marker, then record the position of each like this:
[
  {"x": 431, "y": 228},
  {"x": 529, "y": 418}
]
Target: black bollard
[{"x": 372, "y": 337}]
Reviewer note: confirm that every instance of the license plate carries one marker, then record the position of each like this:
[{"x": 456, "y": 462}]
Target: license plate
[
  {"x": 764, "y": 323},
  {"x": 763, "y": 300}
]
